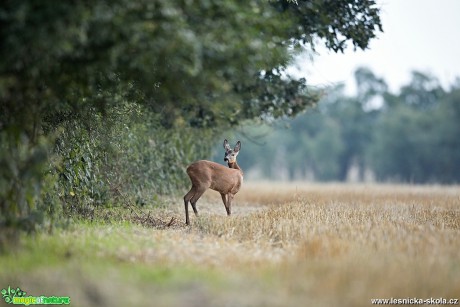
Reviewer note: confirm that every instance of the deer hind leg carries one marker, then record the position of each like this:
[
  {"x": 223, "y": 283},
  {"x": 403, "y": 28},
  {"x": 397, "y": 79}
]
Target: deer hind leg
[
  {"x": 187, "y": 198},
  {"x": 194, "y": 208},
  {"x": 195, "y": 197},
  {"x": 224, "y": 200}
]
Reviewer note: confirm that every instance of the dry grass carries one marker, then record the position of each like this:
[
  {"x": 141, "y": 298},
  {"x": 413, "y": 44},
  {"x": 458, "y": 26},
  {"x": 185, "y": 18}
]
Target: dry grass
[
  {"x": 286, "y": 245},
  {"x": 340, "y": 244}
]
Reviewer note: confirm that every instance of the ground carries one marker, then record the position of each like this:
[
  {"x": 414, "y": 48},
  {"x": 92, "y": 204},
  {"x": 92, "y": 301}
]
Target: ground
[{"x": 292, "y": 244}]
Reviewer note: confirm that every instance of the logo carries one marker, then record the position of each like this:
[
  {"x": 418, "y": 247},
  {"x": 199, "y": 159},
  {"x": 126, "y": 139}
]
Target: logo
[{"x": 18, "y": 297}]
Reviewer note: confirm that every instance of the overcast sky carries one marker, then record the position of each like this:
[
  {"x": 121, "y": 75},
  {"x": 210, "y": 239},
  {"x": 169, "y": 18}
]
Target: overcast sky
[{"x": 421, "y": 35}]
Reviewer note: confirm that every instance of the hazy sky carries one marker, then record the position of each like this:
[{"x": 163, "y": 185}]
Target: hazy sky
[{"x": 419, "y": 35}]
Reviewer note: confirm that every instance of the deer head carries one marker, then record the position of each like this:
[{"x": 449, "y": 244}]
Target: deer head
[{"x": 230, "y": 154}]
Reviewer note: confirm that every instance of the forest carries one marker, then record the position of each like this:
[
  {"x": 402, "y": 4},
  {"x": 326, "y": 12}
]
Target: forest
[{"x": 411, "y": 136}]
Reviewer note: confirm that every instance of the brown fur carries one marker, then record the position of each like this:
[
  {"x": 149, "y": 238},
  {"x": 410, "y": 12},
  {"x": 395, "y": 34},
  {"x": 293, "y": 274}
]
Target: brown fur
[{"x": 210, "y": 175}]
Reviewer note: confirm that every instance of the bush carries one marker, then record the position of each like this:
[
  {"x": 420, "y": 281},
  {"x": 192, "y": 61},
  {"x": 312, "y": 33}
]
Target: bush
[
  {"x": 26, "y": 184},
  {"x": 93, "y": 161}
]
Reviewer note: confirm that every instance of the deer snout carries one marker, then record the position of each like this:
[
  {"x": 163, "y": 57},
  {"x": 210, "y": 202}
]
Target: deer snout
[{"x": 229, "y": 159}]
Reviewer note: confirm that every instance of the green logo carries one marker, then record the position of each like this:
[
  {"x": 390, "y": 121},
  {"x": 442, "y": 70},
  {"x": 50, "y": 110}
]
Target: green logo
[{"x": 18, "y": 297}]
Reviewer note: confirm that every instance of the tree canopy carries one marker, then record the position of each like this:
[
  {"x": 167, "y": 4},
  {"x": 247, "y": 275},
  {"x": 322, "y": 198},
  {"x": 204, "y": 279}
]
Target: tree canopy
[{"x": 199, "y": 61}]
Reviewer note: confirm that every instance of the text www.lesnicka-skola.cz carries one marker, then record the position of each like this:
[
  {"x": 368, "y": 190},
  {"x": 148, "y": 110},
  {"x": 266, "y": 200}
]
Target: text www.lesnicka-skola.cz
[{"x": 415, "y": 301}]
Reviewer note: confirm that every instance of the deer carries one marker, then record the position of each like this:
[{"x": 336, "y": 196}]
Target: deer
[{"x": 211, "y": 175}]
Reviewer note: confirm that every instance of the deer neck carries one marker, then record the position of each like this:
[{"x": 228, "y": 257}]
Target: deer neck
[{"x": 234, "y": 165}]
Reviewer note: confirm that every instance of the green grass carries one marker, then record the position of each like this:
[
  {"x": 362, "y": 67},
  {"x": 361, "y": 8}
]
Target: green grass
[{"x": 91, "y": 263}]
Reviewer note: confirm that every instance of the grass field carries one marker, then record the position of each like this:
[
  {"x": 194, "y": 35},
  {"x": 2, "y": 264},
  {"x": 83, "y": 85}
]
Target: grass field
[{"x": 293, "y": 244}]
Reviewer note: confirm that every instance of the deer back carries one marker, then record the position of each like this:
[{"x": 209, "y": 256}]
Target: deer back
[{"x": 213, "y": 175}]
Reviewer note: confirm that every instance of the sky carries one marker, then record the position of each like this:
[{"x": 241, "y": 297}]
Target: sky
[{"x": 422, "y": 35}]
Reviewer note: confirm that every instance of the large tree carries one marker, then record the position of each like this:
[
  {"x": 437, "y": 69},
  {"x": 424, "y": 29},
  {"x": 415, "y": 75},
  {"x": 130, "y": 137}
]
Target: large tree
[{"x": 207, "y": 62}]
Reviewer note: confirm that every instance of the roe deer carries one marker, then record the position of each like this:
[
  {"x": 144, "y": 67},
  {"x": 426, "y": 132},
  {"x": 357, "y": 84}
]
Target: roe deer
[{"x": 206, "y": 174}]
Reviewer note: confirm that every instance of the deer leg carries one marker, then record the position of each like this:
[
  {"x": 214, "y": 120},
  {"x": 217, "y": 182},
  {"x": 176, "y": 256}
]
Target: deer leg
[
  {"x": 187, "y": 198},
  {"x": 194, "y": 208},
  {"x": 187, "y": 221},
  {"x": 229, "y": 204},
  {"x": 224, "y": 199},
  {"x": 195, "y": 198}
]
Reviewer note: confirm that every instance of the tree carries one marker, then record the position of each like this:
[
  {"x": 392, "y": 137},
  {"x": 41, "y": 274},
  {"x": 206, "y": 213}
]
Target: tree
[
  {"x": 446, "y": 143},
  {"x": 415, "y": 137},
  {"x": 192, "y": 59},
  {"x": 423, "y": 92},
  {"x": 203, "y": 64},
  {"x": 334, "y": 21}
]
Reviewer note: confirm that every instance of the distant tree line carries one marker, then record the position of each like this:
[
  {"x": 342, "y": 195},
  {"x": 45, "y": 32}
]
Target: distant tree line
[{"x": 410, "y": 136}]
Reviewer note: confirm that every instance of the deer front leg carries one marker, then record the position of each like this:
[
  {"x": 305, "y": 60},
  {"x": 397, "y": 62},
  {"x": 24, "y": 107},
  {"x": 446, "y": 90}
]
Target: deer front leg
[
  {"x": 224, "y": 200},
  {"x": 229, "y": 204}
]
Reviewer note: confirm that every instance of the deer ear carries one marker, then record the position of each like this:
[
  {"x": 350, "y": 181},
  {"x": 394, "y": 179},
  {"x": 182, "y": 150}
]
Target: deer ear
[
  {"x": 237, "y": 146},
  {"x": 226, "y": 146}
]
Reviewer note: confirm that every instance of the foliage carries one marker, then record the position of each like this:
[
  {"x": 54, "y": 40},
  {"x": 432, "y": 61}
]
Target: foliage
[
  {"x": 171, "y": 56},
  {"x": 133, "y": 157},
  {"x": 337, "y": 22},
  {"x": 25, "y": 181}
]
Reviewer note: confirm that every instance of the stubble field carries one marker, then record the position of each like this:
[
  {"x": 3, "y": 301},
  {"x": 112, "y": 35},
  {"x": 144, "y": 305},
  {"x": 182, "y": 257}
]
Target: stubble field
[{"x": 295, "y": 244}]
